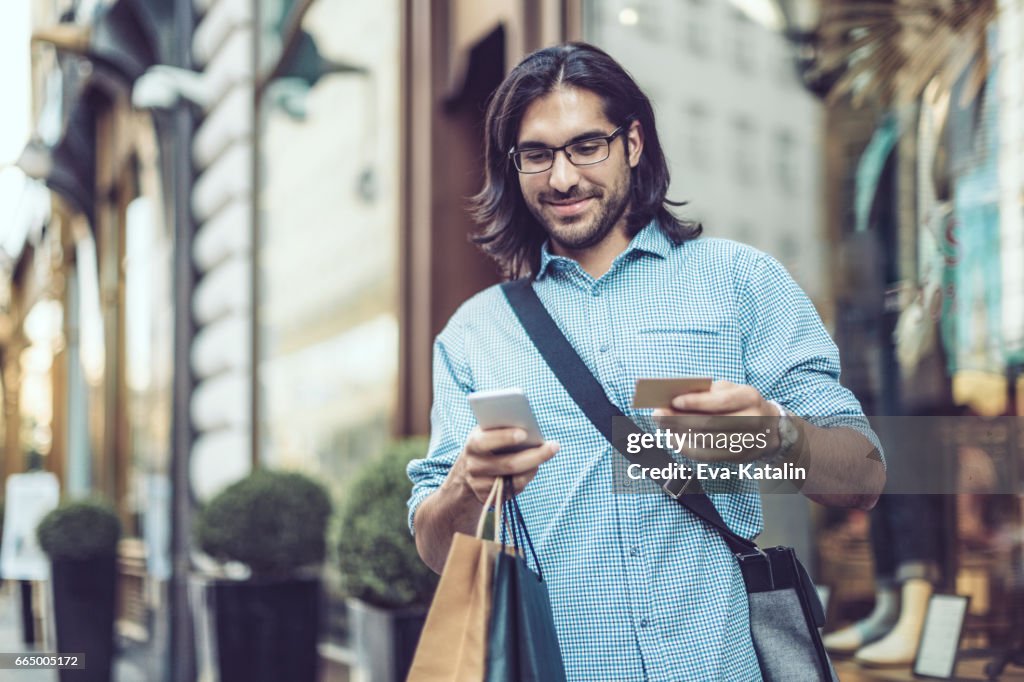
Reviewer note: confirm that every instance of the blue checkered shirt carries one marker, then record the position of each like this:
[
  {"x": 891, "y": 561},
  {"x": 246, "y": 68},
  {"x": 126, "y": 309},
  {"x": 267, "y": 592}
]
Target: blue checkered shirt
[{"x": 640, "y": 588}]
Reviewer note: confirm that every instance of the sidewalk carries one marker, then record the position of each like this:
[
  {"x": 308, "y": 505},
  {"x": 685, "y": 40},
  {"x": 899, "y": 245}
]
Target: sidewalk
[
  {"x": 128, "y": 665},
  {"x": 10, "y": 636}
]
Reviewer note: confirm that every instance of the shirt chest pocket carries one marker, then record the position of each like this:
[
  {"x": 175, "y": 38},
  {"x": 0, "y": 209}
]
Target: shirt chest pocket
[{"x": 705, "y": 348}]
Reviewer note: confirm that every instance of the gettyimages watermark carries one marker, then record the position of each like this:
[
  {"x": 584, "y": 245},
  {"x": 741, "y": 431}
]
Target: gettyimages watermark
[
  {"x": 740, "y": 455},
  {"x": 725, "y": 444}
]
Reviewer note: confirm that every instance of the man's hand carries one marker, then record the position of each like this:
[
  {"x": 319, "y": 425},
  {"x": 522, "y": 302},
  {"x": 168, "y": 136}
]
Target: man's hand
[
  {"x": 477, "y": 466},
  {"x": 456, "y": 505},
  {"x": 716, "y": 412},
  {"x": 843, "y": 467}
]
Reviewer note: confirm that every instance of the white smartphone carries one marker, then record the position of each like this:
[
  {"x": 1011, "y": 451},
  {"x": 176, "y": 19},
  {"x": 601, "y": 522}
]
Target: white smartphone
[{"x": 506, "y": 408}]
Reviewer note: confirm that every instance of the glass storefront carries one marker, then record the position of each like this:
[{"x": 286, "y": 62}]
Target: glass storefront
[
  {"x": 149, "y": 335},
  {"x": 85, "y": 361},
  {"x": 42, "y": 329},
  {"x": 328, "y": 256},
  {"x": 328, "y": 215}
]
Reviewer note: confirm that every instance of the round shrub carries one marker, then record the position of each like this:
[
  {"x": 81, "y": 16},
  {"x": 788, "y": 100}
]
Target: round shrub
[
  {"x": 376, "y": 554},
  {"x": 272, "y": 521},
  {"x": 81, "y": 529}
]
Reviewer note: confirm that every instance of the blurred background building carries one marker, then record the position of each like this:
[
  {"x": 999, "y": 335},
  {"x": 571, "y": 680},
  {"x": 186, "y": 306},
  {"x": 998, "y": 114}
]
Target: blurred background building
[{"x": 230, "y": 229}]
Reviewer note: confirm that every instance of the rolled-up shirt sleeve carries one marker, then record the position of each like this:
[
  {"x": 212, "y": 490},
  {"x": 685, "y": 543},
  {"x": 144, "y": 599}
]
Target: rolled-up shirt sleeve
[
  {"x": 790, "y": 357},
  {"x": 451, "y": 419}
]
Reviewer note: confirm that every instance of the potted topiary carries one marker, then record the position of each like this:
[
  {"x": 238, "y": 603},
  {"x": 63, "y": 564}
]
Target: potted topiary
[
  {"x": 388, "y": 585},
  {"x": 266, "y": 617},
  {"x": 80, "y": 538}
]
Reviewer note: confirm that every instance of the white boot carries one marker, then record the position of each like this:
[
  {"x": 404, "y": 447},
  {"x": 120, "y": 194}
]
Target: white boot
[
  {"x": 899, "y": 647},
  {"x": 873, "y": 628}
]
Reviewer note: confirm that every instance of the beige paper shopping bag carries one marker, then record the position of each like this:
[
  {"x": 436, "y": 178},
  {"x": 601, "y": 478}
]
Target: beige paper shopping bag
[{"x": 452, "y": 647}]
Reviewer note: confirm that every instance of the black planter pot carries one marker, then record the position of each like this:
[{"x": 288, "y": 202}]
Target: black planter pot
[
  {"x": 266, "y": 631},
  {"x": 83, "y": 609},
  {"x": 384, "y": 640}
]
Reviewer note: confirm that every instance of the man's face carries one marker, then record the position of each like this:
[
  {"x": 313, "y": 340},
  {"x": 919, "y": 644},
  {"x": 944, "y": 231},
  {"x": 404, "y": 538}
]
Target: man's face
[{"x": 578, "y": 206}]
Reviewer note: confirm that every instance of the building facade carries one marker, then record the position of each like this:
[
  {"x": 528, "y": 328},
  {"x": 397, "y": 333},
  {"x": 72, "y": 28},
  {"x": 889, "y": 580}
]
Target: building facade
[{"x": 257, "y": 226}]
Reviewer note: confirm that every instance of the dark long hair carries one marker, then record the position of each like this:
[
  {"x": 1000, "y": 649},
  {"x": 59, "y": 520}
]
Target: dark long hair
[{"x": 507, "y": 231}]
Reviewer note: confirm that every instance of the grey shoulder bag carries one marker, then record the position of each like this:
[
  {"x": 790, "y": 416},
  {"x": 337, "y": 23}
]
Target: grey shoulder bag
[{"x": 785, "y": 612}]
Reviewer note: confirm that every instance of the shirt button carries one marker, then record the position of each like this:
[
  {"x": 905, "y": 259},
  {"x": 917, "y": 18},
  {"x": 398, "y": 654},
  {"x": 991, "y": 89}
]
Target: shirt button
[
  {"x": 605, "y": 348},
  {"x": 595, "y": 292},
  {"x": 634, "y": 551},
  {"x": 644, "y": 622}
]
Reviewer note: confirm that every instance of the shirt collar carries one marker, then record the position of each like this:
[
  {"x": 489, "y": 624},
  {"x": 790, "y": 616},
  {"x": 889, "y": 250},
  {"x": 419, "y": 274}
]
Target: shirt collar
[{"x": 651, "y": 239}]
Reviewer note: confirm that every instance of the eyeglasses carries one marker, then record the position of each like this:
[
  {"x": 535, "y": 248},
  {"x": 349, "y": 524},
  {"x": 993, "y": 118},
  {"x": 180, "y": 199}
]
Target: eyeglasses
[{"x": 581, "y": 153}]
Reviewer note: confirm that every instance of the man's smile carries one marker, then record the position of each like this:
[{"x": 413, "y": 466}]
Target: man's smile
[{"x": 570, "y": 207}]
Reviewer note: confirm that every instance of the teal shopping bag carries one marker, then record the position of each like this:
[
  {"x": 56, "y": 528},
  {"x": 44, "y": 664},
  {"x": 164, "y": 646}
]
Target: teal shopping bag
[{"x": 522, "y": 644}]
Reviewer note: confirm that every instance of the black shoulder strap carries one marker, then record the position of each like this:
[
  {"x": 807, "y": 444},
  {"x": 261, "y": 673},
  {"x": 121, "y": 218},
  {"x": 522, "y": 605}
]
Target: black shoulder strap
[{"x": 588, "y": 393}]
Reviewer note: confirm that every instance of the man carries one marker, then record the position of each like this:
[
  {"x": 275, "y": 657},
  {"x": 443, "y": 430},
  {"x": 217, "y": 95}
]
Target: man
[{"x": 574, "y": 197}]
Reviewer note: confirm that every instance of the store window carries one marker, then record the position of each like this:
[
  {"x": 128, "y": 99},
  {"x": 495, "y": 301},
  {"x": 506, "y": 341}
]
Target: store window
[
  {"x": 85, "y": 365},
  {"x": 149, "y": 364},
  {"x": 43, "y": 330},
  {"x": 328, "y": 255},
  {"x": 328, "y": 199}
]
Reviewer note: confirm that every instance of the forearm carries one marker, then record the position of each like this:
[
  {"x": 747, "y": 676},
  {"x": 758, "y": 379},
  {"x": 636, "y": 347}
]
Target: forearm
[
  {"x": 452, "y": 508},
  {"x": 843, "y": 467}
]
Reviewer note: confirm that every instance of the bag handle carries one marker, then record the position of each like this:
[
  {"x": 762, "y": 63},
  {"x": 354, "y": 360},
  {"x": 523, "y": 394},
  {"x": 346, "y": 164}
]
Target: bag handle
[
  {"x": 516, "y": 525},
  {"x": 494, "y": 498},
  {"x": 589, "y": 394}
]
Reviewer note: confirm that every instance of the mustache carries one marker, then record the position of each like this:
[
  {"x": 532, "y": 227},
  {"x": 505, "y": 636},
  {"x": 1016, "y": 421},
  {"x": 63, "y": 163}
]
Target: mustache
[{"x": 574, "y": 194}]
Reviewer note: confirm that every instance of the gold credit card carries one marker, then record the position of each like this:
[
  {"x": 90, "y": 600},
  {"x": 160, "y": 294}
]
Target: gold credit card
[{"x": 653, "y": 393}]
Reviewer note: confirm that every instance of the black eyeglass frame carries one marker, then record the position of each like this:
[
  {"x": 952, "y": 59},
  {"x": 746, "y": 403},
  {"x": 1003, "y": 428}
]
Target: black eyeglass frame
[{"x": 565, "y": 148}]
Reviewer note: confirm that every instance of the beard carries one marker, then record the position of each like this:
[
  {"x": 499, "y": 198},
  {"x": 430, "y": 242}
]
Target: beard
[{"x": 583, "y": 231}]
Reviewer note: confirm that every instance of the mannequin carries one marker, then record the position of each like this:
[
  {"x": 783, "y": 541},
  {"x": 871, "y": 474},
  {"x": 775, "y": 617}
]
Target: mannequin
[
  {"x": 905, "y": 541},
  {"x": 906, "y": 537}
]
